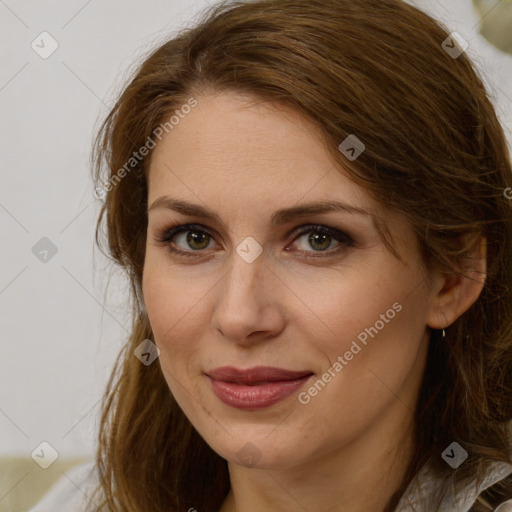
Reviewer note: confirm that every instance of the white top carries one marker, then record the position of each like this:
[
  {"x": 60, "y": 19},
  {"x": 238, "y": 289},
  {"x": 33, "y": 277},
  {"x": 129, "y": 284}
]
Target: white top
[{"x": 73, "y": 491}]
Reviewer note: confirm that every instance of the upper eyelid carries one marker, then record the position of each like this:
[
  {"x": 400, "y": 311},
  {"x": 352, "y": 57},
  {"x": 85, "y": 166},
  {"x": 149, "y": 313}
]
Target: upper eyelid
[
  {"x": 298, "y": 231},
  {"x": 180, "y": 228}
]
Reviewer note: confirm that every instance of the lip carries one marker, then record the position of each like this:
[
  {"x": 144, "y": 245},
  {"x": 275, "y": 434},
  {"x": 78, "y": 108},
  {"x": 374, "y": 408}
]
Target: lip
[{"x": 255, "y": 388}]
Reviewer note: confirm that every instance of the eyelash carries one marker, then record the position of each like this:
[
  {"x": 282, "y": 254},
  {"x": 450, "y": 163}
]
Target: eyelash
[{"x": 165, "y": 236}]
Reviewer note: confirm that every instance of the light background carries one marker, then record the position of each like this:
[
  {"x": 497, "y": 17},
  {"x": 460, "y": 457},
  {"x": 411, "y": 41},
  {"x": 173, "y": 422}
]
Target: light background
[{"x": 59, "y": 332}]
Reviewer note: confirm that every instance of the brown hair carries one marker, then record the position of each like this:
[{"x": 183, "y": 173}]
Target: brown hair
[{"x": 435, "y": 152}]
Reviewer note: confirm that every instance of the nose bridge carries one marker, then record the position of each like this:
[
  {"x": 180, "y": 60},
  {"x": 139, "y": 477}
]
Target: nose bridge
[
  {"x": 245, "y": 275},
  {"x": 242, "y": 303}
]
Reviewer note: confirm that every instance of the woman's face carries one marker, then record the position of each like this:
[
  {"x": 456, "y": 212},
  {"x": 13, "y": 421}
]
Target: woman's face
[{"x": 257, "y": 286}]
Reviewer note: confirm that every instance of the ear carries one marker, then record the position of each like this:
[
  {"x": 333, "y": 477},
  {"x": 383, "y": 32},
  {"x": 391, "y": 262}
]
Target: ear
[{"x": 454, "y": 294}]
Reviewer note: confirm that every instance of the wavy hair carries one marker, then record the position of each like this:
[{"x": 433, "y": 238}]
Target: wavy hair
[{"x": 435, "y": 151}]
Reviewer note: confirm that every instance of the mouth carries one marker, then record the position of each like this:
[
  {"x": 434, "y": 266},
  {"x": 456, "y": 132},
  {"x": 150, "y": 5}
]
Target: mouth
[
  {"x": 255, "y": 388},
  {"x": 256, "y": 375}
]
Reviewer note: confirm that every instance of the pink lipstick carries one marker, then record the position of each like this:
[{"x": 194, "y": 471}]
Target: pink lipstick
[{"x": 255, "y": 388}]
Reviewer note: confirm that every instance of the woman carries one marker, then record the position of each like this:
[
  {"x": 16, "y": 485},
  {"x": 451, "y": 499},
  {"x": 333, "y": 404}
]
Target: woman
[{"x": 309, "y": 199}]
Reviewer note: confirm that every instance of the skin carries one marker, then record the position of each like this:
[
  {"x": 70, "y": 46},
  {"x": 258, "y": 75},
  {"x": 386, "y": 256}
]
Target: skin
[{"x": 244, "y": 161}]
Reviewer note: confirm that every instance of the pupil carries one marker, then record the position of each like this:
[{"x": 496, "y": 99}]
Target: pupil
[
  {"x": 194, "y": 237},
  {"x": 313, "y": 238}
]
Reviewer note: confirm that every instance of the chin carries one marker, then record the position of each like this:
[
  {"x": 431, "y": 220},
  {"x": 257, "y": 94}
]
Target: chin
[{"x": 252, "y": 449}]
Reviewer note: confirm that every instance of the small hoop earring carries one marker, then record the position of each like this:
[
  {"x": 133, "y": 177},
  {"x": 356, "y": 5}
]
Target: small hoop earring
[{"x": 444, "y": 334}]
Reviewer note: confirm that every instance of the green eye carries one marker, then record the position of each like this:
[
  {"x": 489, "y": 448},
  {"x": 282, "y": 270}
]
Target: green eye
[{"x": 197, "y": 239}]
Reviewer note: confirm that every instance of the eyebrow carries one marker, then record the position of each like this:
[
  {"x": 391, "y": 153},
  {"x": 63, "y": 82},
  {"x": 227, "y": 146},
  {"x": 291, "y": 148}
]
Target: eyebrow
[{"x": 279, "y": 217}]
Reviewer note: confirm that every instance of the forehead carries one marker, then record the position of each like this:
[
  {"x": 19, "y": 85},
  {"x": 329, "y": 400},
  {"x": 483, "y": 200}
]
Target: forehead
[
  {"x": 244, "y": 160},
  {"x": 235, "y": 145}
]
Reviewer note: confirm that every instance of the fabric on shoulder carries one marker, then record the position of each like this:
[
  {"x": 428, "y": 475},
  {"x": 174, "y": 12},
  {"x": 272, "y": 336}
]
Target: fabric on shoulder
[
  {"x": 72, "y": 492},
  {"x": 505, "y": 507},
  {"x": 426, "y": 492}
]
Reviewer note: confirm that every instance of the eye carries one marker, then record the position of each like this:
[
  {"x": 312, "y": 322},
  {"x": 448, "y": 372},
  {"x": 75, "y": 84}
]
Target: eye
[
  {"x": 194, "y": 239},
  {"x": 320, "y": 239},
  {"x": 190, "y": 235}
]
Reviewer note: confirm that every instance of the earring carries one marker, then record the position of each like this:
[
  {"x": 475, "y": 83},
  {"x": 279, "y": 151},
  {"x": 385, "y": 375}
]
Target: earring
[{"x": 444, "y": 334}]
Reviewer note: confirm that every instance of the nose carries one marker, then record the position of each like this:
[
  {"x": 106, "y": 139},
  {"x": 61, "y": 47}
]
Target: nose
[{"x": 248, "y": 302}]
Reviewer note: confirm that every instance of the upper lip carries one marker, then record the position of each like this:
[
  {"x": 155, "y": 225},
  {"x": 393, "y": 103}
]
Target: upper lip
[{"x": 256, "y": 374}]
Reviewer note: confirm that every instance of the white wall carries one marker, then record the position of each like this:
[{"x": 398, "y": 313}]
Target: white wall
[
  {"x": 58, "y": 340},
  {"x": 495, "y": 66},
  {"x": 58, "y": 343}
]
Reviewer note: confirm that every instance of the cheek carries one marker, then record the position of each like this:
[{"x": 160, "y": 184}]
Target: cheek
[
  {"x": 374, "y": 320},
  {"x": 173, "y": 305},
  {"x": 338, "y": 307},
  {"x": 373, "y": 347}
]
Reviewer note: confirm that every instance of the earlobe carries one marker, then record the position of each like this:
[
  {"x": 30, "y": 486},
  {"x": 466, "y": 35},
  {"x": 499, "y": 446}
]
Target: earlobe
[{"x": 455, "y": 294}]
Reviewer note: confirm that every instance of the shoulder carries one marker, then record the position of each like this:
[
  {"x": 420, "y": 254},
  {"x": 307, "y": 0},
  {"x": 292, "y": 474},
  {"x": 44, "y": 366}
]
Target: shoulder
[
  {"x": 72, "y": 492},
  {"x": 492, "y": 492},
  {"x": 427, "y": 493},
  {"x": 497, "y": 497}
]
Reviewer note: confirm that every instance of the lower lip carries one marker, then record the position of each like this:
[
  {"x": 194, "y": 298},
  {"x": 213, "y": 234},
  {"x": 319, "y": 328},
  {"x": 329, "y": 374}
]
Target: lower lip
[{"x": 258, "y": 396}]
